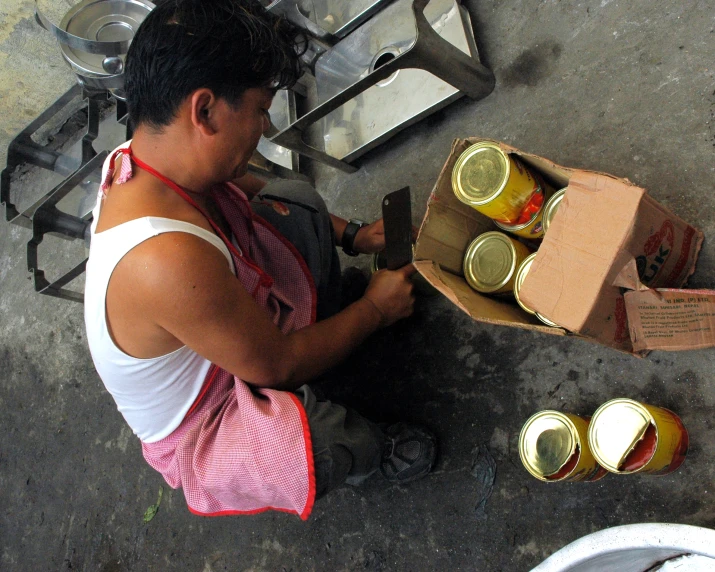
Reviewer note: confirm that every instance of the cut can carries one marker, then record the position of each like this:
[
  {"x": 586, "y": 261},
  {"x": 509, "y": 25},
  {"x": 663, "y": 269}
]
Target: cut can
[
  {"x": 553, "y": 446},
  {"x": 495, "y": 183},
  {"x": 631, "y": 437},
  {"x": 521, "y": 273},
  {"x": 491, "y": 261},
  {"x": 550, "y": 208}
]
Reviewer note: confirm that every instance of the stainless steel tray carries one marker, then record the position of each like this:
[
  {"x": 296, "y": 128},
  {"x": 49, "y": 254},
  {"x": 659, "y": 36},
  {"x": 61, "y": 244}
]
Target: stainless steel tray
[
  {"x": 416, "y": 47},
  {"x": 402, "y": 99},
  {"x": 340, "y": 17},
  {"x": 335, "y": 17}
]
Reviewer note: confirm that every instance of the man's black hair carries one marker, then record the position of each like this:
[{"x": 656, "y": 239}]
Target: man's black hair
[{"x": 227, "y": 46}]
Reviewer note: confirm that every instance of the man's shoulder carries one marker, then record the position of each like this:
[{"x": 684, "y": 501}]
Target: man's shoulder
[{"x": 178, "y": 244}]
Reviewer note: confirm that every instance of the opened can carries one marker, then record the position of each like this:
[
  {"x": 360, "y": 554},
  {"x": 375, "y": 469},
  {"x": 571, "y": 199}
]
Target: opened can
[
  {"x": 495, "y": 183},
  {"x": 491, "y": 262},
  {"x": 553, "y": 446},
  {"x": 550, "y": 208},
  {"x": 521, "y": 273},
  {"x": 631, "y": 437}
]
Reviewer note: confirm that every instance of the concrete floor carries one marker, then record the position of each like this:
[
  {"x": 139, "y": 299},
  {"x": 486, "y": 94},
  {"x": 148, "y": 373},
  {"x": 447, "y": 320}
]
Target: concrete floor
[{"x": 622, "y": 87}]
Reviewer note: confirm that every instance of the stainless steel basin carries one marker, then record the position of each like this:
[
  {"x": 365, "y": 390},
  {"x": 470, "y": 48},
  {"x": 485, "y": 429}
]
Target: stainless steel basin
[
  {"x": 102, "y": 21},
  {"x": 336, "y": 17},
  {"x": 339, "y": 17},
  {"x": 94, "y": 36},
  {"x": 398, "y": 101}
]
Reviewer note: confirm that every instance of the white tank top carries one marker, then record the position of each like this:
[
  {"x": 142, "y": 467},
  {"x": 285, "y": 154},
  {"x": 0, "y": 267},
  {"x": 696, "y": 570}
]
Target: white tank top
[{"x": 153, "y": 394}]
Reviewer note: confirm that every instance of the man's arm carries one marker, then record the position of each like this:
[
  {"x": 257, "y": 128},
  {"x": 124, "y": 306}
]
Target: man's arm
[
  {"x": 181, "y": 284},
  {"x": 368, "y": 240}
]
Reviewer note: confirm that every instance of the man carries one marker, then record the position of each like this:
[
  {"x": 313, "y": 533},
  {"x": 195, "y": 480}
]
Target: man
[{"x": 200, "y": 312}]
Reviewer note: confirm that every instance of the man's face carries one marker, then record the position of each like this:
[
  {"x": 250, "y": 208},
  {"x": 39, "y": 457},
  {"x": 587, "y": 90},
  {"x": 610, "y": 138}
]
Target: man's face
[{"x": 245, "y": 124}]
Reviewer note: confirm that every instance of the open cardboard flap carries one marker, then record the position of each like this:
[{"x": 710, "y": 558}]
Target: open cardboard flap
[
  {"x": 666, "y": 318},
  {"x": 669, "y": 319},
  {"x": 604, "y": 224}
]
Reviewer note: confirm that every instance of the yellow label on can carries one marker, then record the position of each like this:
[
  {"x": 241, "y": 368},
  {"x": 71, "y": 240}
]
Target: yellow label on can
[
  {"x": 670, "y": 434},
  {"x": 587, "y": 468}
]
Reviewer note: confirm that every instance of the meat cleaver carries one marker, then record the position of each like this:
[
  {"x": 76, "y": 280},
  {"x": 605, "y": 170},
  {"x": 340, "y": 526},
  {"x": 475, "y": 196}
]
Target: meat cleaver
[{"x": 397, "y": 217}]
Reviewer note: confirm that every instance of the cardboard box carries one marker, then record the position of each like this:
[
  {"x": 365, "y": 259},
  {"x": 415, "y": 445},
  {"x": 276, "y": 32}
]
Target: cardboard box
[{"x": 608, "y": 236}]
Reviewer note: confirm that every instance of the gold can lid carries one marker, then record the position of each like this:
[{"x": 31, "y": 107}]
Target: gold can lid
[
  {"x": 546, "y": 443},
  {"x": 480, "y": 173},
  {"x": 615, "y": 429},
  {"x": 551, "y": 206},
  {"x": 490, "y": 261},
  {"x": 521, "y": 273}
]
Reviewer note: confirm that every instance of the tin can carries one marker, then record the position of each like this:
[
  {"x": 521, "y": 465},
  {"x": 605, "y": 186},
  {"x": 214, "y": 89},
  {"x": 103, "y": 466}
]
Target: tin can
[
  {"x": 631, "y": 437},
  {"x": 533, "y": 228},
  {"x": 379, "y": 261},
  {"x": 491, "y": 262},
  {"x": 550, "y": 208},
  {"x": 553, "y": 446},
  {"x": 521, "y": 273},
  {"x": 419, "y": 283},
  {"x": 493, "y": 182}
]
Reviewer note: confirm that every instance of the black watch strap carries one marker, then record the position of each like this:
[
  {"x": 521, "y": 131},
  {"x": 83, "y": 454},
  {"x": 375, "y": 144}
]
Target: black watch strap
[{"x": 349, "y": 235}]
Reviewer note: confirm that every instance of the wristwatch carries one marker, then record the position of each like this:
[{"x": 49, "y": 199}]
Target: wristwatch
[{"x": 349, "y": 235}]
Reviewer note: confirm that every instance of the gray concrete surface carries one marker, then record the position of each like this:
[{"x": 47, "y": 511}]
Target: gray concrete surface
[{"x": 622, "y": 87}]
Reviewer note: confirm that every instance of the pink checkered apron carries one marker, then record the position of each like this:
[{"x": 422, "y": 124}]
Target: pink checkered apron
[{"x": 241, "y": 449}]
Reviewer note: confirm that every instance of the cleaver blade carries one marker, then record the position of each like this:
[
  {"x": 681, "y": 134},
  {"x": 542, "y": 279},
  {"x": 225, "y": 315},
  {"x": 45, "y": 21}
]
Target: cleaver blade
[{"x": 397, "y": 217}]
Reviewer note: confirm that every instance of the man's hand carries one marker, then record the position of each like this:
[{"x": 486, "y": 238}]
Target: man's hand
[
  {"x": 390, "y": 291},
  {"x": 370, "y": 238}
]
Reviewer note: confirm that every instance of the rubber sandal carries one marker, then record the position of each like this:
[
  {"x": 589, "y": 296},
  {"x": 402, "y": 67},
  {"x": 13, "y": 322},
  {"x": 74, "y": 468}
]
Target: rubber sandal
[{"x": 409, "y": 454}]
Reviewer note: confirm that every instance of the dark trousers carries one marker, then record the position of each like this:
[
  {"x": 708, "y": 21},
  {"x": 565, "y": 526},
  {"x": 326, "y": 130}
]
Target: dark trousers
[{"x": 346, "y": 447}]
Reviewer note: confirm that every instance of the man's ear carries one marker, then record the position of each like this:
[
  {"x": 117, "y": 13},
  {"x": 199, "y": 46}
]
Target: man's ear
[{"x": 203, "y": 111}]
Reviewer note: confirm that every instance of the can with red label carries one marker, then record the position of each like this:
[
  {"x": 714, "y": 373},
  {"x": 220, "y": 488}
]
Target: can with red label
[{"x": 631, "y": 437}]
